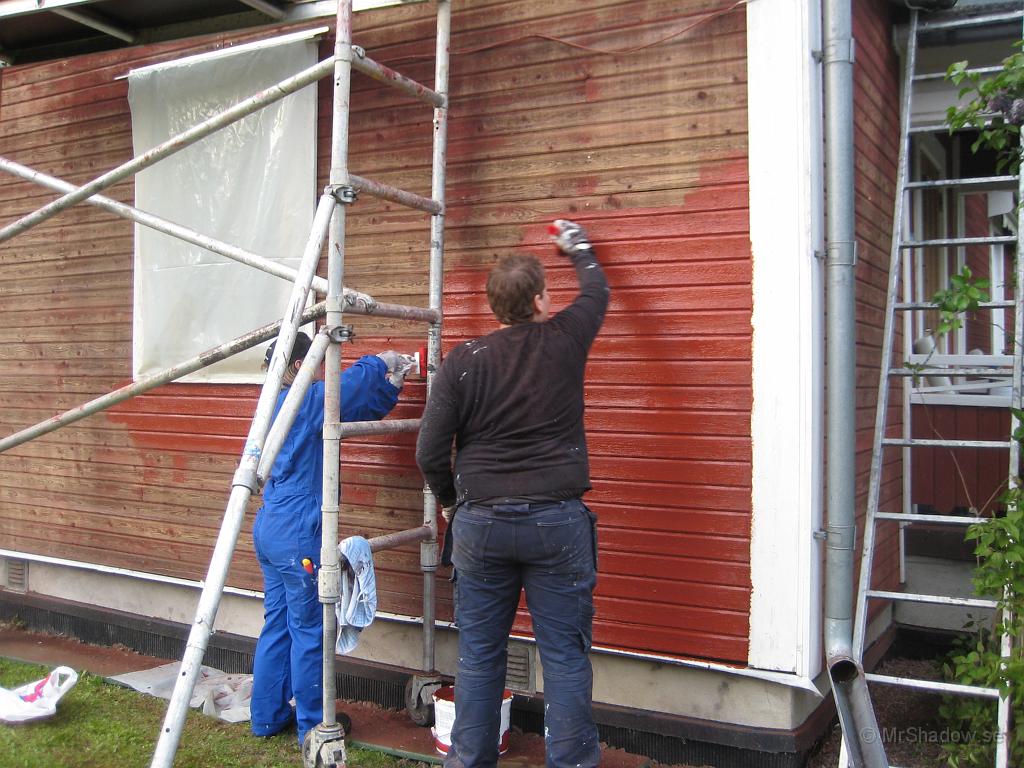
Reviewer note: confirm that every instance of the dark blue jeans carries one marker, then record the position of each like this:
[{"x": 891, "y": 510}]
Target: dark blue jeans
[{"x": 548, "y": 550}]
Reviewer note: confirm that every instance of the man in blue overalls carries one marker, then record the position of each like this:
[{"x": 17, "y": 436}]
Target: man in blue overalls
[{"x": 289, "y": 651}]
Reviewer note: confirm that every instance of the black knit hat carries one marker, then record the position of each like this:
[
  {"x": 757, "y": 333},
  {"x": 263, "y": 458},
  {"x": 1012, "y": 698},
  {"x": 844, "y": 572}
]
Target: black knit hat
[{"x": 299, "y": 349}]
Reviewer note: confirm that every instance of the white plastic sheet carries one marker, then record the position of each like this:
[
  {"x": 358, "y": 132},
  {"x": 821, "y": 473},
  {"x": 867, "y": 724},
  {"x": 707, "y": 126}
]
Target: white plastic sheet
[
  {"x": 250, "y": 184},
  {"x": 217, "y": 693}
]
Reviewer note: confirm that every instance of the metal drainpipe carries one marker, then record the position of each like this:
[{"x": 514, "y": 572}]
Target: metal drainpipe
[{"x": 849, "y": 687}]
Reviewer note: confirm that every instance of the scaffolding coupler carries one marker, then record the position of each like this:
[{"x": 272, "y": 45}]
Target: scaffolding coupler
[
  {"x": 345, "y": 194},
  {"x": 340, "y": 334}
]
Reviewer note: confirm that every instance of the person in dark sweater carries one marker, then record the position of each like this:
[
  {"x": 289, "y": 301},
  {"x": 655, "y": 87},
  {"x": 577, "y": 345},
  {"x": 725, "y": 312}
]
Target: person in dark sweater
[{"x": 512, "y": 401}]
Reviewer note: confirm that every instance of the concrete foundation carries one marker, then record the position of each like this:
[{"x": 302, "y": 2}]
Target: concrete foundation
[{"x": 731, "y": 709}]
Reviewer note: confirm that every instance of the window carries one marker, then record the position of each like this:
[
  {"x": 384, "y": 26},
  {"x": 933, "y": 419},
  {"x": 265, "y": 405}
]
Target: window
[{"x": 250, "y": 184}]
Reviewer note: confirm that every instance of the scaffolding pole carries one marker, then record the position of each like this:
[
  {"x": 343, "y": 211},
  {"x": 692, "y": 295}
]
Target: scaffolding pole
[
  {"x": 243, "y": 487},
  {"x": 200, "y": 361},
  {"x": 290, "y": 407},
  {"x": 428, "y": 549},
  {"x": 355, "y": 301},
  {"x": 174, "y": 144},
  {"x": 325, "y": 744}
]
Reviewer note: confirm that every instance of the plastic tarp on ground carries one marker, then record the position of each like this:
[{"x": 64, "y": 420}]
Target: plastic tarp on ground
[
  {"x": 251, "y": 184},
  {"x": 219, "y": 694}
]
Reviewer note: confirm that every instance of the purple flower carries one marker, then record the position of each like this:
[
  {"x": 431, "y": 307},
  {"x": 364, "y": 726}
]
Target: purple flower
[
  {"x": 1000, "y": 102},
  {"x": 1016, "y": 113}
]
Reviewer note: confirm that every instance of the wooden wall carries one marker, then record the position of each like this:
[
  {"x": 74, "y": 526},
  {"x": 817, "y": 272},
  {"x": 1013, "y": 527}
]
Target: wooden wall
[
  {"x": 646, "y": 149},
  {"x": 978, "y": 325},
  {"x": 876, "y": 143},
  {"x": 954, "y": 481}
]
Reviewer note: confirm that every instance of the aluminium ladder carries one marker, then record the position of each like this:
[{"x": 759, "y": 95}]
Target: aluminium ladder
[{"x": 892, "y": 371}]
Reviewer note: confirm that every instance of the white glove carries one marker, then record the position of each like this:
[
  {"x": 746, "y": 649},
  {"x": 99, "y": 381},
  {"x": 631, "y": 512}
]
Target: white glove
[
  {"x": 398, "y": 366},
  {"x": 569, "y": 237}
]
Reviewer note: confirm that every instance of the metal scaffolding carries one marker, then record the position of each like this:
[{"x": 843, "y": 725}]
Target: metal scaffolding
[{"x": 325, "y": 744}]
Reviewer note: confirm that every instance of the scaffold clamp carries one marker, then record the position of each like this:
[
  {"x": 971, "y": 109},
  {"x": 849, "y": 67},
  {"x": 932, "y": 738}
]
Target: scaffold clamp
[
  {"x": 341, "y": 333},
  {"x": 345, "y": 194}
]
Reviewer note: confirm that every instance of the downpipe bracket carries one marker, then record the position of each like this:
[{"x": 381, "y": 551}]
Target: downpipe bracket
[
  {"x": 841, "y": 50},
  {"x": 841, "y": 253}
]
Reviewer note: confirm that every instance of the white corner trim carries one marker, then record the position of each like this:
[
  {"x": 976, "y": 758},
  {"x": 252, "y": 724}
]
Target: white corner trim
[{"x": 785, "y": 140}]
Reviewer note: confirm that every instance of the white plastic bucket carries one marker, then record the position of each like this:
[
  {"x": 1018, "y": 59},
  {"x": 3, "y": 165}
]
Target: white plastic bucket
[{"x": 444, "y": 719}]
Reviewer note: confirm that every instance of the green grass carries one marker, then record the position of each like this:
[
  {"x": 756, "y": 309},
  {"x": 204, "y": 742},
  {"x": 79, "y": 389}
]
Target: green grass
[{"x": 102, "y": 725}]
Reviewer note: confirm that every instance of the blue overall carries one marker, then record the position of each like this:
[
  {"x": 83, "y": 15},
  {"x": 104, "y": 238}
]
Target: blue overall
[{"x": 289, "y": 654}]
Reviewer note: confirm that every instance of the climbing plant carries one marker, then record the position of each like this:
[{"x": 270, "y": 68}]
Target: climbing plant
[
  {"x": 963, "y": 295},
  {"x": 996, "y": 110},
  {"x": 999, "y": 548},
  {"x": 977, "y": 659}
]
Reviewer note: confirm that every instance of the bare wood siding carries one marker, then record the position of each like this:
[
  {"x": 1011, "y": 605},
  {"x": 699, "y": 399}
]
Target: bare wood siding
[
  {"x": 876, "y": 141},
  {"x": 648, "y": 150}
]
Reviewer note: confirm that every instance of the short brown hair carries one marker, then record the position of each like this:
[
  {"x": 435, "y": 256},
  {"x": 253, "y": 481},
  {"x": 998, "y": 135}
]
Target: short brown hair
[{"x": 511, "y": 286}]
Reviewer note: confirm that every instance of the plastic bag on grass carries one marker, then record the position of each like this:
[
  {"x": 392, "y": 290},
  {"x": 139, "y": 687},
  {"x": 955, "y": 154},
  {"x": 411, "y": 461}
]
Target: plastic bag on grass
[{"x": 36, "y": 700}]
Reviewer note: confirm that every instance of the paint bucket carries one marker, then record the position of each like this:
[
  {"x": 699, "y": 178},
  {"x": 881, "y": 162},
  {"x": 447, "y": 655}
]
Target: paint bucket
[{"x": 444, "y": 719}]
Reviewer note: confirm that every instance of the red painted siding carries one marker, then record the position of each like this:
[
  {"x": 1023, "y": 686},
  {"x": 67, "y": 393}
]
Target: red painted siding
[
  {"x": 876, "y": 142},
  {"x": 978, "y": 326},
  {"x": 648, "y": 150},
  {"x": 957, "y": 480}
]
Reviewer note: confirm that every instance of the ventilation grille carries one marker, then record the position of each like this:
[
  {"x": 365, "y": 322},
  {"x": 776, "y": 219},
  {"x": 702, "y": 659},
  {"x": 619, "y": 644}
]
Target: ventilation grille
[
  {"x": 17, "y": 575},
  {"x": 519, "y": 673}
]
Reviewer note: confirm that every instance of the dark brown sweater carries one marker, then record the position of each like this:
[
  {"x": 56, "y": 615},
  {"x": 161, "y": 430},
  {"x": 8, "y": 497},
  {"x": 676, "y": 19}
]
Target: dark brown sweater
[{"x": 513, "y": 402}]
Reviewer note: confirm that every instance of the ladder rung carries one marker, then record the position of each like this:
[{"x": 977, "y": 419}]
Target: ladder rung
[
  {"x": 939, "y": 519},
  {"x": 969, "y": 21},
  {"x": 388, "y": 76},
  {"x": 912, "y": 597},
  {"x": 908, "y": 305},
  {"x": 385, "y": 427},
  {"x": 922, "y": 443},
  {"x": 950, "y": 372},
  {"x": 959, "y": 241},
  {"x": 934, "y": 685},
  {"x": 977, "y": 181},
  {"x": 972, "y": 70},
  {"x": 395, "y": 195}
]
